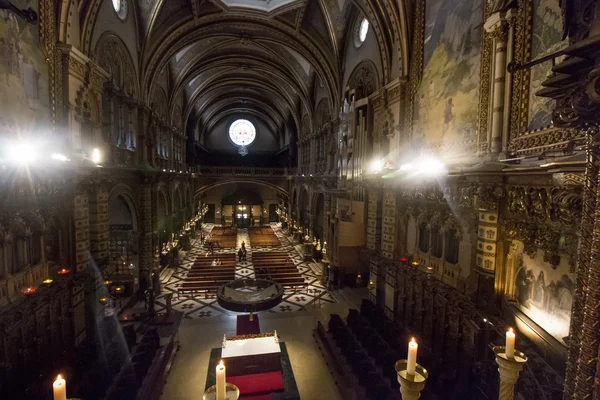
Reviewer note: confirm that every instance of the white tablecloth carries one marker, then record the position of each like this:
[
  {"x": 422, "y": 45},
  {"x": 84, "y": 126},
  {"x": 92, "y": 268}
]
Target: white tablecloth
[{"x": 250, "y": 347}]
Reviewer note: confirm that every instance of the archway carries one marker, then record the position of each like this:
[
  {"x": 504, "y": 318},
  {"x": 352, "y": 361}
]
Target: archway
[
  {"x": 242, "y": 209},
  {"x": 318, "y": 218},
  {"x": 123, "y": 243},
  {"x": 163, "y": 218},
  {"x": 303, "y": 209}
]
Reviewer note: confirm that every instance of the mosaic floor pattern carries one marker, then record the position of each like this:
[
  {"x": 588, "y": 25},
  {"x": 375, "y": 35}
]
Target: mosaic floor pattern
[{"x": 195, "y": 307}]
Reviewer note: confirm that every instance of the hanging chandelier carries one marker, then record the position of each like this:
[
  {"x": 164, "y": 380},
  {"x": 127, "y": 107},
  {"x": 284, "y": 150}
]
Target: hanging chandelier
[{"x": 242, "y": 150}]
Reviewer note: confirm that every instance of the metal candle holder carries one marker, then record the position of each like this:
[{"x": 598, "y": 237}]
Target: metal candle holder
[
  {"x": 410, "y": 385},
  {"x": 231, "y": 392}
]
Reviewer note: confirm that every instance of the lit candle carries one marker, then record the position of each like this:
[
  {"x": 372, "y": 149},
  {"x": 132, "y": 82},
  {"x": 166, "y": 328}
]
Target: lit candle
[
  {"x": 60, "y": 388},
  {"x": 412, "y": 356},
  {"x": 510, "y": 343},
  {"x": 221, "y": 381}
]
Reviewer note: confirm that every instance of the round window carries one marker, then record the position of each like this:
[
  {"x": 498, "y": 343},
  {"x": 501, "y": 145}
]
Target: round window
[
  {"x": 361, "y": 32},
  {"x": 120, "y": 7},
  {"x": 242, "y": 132}
]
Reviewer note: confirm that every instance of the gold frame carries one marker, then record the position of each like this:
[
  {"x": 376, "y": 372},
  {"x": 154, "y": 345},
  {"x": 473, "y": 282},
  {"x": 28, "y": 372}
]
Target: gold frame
[
  {"x": 416, "y": 76},
  {"x": 521, "y": 140}
]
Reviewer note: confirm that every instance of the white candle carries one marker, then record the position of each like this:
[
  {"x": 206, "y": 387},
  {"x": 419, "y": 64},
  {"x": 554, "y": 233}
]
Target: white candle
[
  {"x": 412, "y": 356},
  {"x": 510, "y": 343},
  {"x": 60, "y": 388},
  {"x": 221, "y": 381}
]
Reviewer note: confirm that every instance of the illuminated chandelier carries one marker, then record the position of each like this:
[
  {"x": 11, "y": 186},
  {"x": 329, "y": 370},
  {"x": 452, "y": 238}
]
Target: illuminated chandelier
[{"x": 243, "y": 150}]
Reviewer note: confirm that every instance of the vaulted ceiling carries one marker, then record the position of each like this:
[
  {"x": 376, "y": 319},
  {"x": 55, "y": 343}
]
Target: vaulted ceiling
[{"x": 257, "y": 57}]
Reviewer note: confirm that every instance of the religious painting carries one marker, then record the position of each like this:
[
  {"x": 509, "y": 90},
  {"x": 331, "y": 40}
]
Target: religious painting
[
  {"x": 24, "y": 90},
  {"x": 546, "y": 39},
  {"x": 545, "y": 293},
  {"x": 446, "y": 103}
]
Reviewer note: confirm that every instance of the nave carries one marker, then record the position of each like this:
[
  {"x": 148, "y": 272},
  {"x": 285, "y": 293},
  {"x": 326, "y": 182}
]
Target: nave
[{"x": 204, "y": 305}]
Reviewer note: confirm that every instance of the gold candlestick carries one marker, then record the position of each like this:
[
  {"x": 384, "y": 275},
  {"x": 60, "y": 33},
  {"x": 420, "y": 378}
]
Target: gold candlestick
[{"x": 410, "y": 385}]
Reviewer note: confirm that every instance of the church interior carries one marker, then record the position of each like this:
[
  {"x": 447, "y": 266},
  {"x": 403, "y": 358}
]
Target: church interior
[{"x": 299, "y": 199}]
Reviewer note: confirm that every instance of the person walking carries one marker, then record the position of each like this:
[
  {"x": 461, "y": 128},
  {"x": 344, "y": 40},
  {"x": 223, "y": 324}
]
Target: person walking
[{"x": 240, "y": 254}]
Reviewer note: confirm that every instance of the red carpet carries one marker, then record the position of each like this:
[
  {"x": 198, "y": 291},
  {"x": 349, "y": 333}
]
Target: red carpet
[
  {"x": 247, "y": 327},
  {"x": 259, "y": 397},
  {"x": 256, "y": 384}
]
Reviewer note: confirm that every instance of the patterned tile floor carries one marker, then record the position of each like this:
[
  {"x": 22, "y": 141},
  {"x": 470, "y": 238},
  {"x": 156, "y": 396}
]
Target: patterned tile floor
[{"x": 196, "y": 307}]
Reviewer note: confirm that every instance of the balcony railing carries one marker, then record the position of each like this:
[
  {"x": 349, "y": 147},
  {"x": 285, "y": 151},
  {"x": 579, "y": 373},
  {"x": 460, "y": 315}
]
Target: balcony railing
[{"x": 240, "y": 171}]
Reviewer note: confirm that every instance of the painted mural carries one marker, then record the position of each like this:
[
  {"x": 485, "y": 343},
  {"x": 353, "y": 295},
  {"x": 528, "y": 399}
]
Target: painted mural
[
  {"x": 24, "y": 95},
  {"x": 545, "y": 294},
  {"x": 546, "y": 35},
  {"x": 447, "y": 100}
]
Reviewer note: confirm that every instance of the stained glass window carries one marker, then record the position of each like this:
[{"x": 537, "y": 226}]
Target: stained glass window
[{"x": 242, "y": 132}]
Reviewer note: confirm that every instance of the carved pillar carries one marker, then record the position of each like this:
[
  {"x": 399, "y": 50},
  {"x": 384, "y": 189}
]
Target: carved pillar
[
  {"x": 374, "y": 213},
  {"x": 146, "y": 233},
  {"x": 98, "y": 228},
  {"x": 497, "y": 26},
  {"x": 577, "y": 98},
  {"x": 81, "y": 228},
  {"x": 388, "y": 236}
]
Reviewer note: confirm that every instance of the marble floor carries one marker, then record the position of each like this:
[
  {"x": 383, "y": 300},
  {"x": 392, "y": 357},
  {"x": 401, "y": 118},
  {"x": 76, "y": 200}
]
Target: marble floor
[
  {"x": 196, "y": 307},
  {"x": 187, "y": 378}
]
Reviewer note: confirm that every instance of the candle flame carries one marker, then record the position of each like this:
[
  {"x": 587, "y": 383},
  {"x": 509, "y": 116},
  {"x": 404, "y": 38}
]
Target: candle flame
[
  {"x": 510, "y": 330},
  {"x": 412, "y": 340},
  {"x": 221, "y": 363},
  {"x": 58, "y": 378}
]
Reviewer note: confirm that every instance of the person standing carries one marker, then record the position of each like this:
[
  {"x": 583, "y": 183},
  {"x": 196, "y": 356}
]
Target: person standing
[{"x": 240, "y": 254}]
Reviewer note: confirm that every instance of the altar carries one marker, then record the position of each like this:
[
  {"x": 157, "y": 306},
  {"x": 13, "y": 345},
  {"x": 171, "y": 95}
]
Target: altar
[{"x": 252, "y": 356}]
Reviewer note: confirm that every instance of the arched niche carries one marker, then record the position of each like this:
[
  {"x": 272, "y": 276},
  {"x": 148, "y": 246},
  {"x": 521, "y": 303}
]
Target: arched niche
[
  {"x": 123, "y": 239},
  {"x": 319, "y": 217},
  {"x": 364, "y": 79}
]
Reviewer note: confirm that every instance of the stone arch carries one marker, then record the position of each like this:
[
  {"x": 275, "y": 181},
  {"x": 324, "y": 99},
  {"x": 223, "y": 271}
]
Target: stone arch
[
  {"x": 158, "y": 102},
  {"x": 322, "y": 113},
  {"x": 164, "y": 199},
  {"x": 364, "y": 77},
  {"x": 112, "y": 55},
  {"x": 198, "y": 193},
  {"x": 318, "y": 215},
  {"x": 127, "y": 195},
  {"x": 303, "y": 207}
]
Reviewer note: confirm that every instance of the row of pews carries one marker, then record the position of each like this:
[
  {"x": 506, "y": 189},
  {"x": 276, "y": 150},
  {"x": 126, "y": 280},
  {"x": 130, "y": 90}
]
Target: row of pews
[
  {"x": 205, "y": 278},
  {"x": 277, "y": 266},
  {"x": 263, "y": 236},
  {"x": 223, "y": 237}
]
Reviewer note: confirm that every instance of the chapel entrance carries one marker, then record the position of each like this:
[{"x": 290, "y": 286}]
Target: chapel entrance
[{"x": 242, "y": 215}]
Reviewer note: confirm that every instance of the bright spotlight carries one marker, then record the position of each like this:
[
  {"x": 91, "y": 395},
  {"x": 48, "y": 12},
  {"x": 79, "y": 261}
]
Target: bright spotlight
[
  {"x": 96, "y": 157},
  {"x": 376, "y": 166},
  {"x": 432, "y": 167},
  {"x": 59, "y": 157},
  {"x": 22, "y": 153},
  {"x": 406, "y": 167}
]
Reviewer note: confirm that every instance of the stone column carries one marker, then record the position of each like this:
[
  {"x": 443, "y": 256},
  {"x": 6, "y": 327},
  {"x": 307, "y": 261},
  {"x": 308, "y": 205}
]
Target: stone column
[
  {"x": 509, "y": 369},
  {"x": 388, "y": 228},
  {"x": 148, "y": 197},
  {"x": 98, "y": 225},
  {"x": 497, "y": 26},
  {"x": 81, "y": 228}
]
